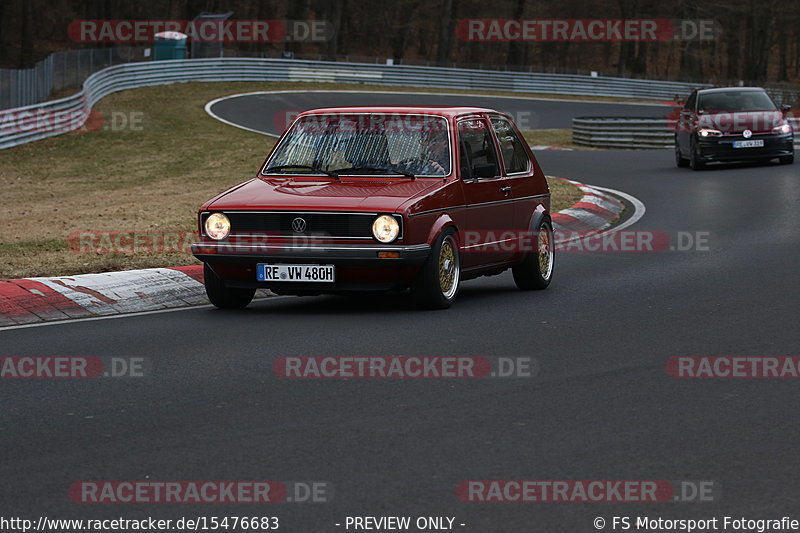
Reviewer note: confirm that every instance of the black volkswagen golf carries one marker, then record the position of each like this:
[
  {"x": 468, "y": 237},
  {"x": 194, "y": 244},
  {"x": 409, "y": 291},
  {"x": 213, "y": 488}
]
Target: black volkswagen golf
[{"x": 732, "y": 124}]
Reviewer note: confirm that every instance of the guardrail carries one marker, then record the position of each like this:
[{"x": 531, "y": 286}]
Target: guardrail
[
  {"x": 623, "y": 132},
  {"x": 60, "y": 71},
  {"x": 30, "y": 123},
  {"x": 632, "y": 132}
]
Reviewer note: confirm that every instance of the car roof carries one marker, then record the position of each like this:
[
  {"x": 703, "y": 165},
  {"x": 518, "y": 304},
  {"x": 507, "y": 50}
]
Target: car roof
[
  {"x": 446, "y": 111},
  {"x": 725, "y": 89}
]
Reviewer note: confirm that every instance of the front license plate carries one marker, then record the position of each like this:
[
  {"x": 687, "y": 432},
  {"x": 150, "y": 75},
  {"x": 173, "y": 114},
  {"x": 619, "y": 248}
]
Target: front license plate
[
  {"x": 755, "y": 143},
  {"x": 315, "y": 273}
]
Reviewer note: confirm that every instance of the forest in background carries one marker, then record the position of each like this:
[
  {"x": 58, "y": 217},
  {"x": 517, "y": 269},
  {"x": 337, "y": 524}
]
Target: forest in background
[{"x": 758, "y": 40}]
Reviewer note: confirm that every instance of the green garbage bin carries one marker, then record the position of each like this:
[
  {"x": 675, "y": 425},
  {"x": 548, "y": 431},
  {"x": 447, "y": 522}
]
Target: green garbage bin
[{"x": 169, "y": 45}]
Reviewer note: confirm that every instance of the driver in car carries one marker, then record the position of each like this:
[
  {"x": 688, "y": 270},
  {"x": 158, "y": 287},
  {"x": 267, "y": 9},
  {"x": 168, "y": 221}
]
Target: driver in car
[{"x": 435, "y": 157}]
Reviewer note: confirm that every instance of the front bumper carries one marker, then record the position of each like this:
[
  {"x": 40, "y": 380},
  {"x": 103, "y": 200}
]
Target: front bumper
[
  {"x": 330, "y": 254},
  {"x": 721, "y": 148},
  {"x": 358, "y": 267}
]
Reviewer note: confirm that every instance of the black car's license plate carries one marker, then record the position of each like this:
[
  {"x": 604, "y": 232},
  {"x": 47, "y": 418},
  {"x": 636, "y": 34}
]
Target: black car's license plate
[{"x": 755, "y": 143}]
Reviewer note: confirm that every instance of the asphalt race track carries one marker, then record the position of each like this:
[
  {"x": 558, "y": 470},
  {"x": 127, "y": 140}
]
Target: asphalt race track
[
  {"x": 269, "y": 112},
  {"x": 601, "y": 405}
]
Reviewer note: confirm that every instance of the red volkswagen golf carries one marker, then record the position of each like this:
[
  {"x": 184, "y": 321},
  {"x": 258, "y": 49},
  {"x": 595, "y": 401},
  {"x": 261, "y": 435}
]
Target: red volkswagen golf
[{"x": 358, "y": 199}]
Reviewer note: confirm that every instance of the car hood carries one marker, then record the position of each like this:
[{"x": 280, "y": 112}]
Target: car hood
[
  {"x": 730, "y": 122},
  {"x": 357, "y": 194}
]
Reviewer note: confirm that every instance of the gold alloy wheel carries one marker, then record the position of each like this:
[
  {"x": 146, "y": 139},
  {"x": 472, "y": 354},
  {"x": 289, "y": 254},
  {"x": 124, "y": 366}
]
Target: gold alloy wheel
[
  {"x": 545, "y": 252},
  {"x": 448, "y": 268}
]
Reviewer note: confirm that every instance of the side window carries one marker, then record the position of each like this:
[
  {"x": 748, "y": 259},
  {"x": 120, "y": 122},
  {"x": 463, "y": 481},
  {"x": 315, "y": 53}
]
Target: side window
[
  {"x": 513, "y": 151},
  {"x": 478, "y": 155}
]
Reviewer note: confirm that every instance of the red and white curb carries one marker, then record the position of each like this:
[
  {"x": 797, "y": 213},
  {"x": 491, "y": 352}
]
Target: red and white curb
[
  {"x": 45, "y": 299},
  {"x": 594, "y": 212},
  {"x": 30, "y": 300}
]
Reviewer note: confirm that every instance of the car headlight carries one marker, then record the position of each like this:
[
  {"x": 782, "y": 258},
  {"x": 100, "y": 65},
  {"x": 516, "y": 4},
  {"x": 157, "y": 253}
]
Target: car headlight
[
  {"x": 783, "y": 128},
  {"x": 217, "y": 226},
  {"x": 385, "y": 228},
  {"x": 705, "y": 132}
]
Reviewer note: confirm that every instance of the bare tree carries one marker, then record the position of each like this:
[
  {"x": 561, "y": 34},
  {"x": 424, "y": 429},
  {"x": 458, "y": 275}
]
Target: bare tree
[
  {"x": 446, "y": 35},
  {"x": 26, "y": 57},
  {"x": 760, "y": 22},
  {"x": 758, "y": 40},
  {"x": 517, "y": 50}
]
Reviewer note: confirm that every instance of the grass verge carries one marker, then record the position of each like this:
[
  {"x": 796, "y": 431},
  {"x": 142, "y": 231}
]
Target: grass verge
[
  {"x": 558, "y": 138},
  {"x": 564, "y": 194}
]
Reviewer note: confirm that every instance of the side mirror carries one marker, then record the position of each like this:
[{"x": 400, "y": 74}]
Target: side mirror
[{"x": 484, "y": 170}]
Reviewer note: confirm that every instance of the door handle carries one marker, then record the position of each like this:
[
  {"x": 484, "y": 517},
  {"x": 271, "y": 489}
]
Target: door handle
[{"x": 505, "y": 190}]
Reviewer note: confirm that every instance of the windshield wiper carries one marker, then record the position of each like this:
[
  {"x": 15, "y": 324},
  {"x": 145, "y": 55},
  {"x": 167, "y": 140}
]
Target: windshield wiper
[
  {"x": 281, "y": 168},
  {"x": 376, "y": 169}
]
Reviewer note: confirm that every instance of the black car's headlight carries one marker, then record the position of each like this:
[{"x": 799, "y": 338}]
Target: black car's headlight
[
  {"x": 706, "y": 132},
  {"x": 783, "y": 128}
]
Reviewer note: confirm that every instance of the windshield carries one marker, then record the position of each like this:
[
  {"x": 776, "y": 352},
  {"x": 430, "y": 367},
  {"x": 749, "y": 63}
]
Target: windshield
[
  {"x": 736, "y": 101},
  {"x": 357, "y": 144}
]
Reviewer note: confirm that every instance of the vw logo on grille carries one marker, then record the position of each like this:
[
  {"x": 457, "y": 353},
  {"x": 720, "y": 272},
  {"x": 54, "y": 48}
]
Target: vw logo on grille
[
  {"x": 299, "y": 225},
  {"x": 747, "y": 134}
]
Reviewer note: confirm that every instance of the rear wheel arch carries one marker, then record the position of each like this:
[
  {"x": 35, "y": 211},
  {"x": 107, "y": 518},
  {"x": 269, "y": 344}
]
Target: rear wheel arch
[{"x": 539, "y": 214}]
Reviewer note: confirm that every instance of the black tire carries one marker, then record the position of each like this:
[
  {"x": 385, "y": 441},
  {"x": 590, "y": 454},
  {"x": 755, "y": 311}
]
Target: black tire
[
  {"x": 786, "y": 160},
  {"x": 694, "y": 161},
  {"x": 533, "y": 274},
  {"x": 680, "y": 161},
  {"x": 222, "y": 296},
  {"x": 436, "y": 285}
]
